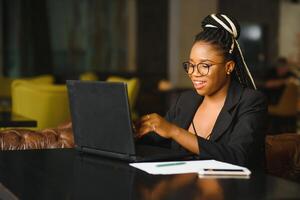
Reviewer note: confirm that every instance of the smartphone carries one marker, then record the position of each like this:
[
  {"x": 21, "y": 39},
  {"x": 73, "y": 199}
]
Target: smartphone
[{"x": 224, "y": 172}]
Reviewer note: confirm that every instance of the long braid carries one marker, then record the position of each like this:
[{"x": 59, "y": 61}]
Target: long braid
[
  {"x": 221, "y": 30},
  {"x": 240, "y": 70}
]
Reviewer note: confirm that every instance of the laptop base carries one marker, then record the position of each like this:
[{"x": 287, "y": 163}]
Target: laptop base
[{"x": 145, "y": 153}]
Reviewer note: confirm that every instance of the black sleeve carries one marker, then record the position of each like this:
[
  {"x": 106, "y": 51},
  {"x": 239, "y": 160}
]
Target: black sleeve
[{"x": 246, "y": 139}]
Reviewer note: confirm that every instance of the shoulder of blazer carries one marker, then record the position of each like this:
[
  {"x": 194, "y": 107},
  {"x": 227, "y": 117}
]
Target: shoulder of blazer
[
  {"x": 242, "y": 96},
  {"x": 253, "y": 98},
  {"x": 239, "y": 100}
]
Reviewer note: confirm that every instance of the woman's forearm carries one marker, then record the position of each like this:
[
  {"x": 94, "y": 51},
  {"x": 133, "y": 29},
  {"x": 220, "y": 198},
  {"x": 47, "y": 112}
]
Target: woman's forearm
[{"x": 186, "y": 139}]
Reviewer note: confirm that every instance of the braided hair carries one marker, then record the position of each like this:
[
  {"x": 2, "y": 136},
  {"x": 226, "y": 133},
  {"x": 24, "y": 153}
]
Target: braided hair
[{"x": 223, "y": 31}]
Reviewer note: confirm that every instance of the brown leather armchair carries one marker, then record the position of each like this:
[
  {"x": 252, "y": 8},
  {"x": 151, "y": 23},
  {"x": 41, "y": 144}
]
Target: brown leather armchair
[
  {"x": 21, "y": 139},
  {"x": 283, "y": 155}
]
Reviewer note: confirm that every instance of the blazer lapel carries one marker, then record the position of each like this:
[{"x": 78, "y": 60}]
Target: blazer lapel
[{"x": 226, "y": 115}]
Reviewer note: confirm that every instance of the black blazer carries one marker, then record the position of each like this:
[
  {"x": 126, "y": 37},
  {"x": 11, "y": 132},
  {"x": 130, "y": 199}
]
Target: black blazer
[{"x": 238, "y": 136}]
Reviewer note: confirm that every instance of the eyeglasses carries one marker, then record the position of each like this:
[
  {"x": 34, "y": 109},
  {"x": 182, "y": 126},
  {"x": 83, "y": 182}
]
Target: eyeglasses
[{"x": 202, "y": 68}]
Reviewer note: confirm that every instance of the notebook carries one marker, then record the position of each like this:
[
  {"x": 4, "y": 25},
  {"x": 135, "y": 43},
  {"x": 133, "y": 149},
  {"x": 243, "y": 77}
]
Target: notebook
[
  {"x": 204, "y": 168},
  {"x": 102, "y": 125}
]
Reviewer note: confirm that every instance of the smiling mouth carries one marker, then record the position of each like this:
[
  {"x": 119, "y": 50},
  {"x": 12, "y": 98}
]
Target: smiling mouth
[{"x": 199, "y": 84}]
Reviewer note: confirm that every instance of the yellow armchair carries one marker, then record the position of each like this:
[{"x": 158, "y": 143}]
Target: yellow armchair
[
  {"x": 5, "y": 83},
  {"x": 88, "y": 76},
  {"x": 42, "y": 79},
  {"x": 46, "y": 103}
]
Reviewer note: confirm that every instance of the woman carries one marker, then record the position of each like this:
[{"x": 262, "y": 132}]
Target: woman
[{"x": 224, "y": 117}]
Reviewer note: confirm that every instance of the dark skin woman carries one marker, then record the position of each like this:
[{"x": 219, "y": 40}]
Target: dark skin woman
[{"x": 223, "y": 118}]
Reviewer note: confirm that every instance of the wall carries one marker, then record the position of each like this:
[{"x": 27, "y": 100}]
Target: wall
[
  {"x": 152, "y": 23},
  {"x": 184, "y": 23},
  {"x": 257, "y": 11},
  {"x": 289, "y": 31},
  {"x": 131, "y": 43}
]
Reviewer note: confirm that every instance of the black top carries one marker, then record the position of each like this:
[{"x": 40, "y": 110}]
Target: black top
[{"x": 238, "y": 135}]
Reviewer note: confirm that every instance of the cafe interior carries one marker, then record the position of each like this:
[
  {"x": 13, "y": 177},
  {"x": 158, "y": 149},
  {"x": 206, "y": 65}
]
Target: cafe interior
[{"x": 44, "y": 43}]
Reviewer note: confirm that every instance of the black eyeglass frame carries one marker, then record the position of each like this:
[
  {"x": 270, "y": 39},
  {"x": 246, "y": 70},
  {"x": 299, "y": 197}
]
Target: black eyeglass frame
[{"x": 188, "y": 64}]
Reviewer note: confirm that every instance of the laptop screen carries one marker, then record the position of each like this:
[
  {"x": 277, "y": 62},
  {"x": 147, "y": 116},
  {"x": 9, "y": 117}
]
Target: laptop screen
[{"x": 101, "y": 116}]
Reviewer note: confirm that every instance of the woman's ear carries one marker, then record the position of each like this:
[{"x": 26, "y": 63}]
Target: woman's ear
[{"x": 229, "y": 66}]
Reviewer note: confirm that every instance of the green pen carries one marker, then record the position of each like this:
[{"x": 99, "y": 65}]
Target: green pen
[{"x": 170, "y": 164}]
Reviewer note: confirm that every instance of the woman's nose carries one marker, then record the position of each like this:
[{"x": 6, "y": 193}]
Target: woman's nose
[{"x": 196, "y": 72}]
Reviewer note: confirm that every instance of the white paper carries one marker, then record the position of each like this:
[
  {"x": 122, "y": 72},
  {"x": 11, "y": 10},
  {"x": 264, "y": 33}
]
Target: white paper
[{"x": 182, "y": 167}]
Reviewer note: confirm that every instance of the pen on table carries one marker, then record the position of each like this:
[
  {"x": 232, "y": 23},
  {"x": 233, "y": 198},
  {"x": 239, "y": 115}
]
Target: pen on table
[
  {"x": 170, "y": 164},
  {"x": 225, "y": 170}
]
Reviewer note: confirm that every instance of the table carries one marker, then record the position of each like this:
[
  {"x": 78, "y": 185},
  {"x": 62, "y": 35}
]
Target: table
[
  {"x": 9, "y": 119},
  {"x": 66, "y": 174}
]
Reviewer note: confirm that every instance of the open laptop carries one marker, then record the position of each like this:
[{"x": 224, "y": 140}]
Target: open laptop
[{"x": 102, "y": 124}]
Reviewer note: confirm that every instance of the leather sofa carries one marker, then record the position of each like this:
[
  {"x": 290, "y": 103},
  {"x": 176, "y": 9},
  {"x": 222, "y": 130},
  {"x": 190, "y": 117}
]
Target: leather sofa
[
  {"x": 22, "y": 139},
  {"x": 282, "y": 150}
]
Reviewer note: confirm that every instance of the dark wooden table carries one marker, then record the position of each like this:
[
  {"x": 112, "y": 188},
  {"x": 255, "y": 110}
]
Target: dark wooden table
[
  {"x": 9, "y": 119},
  {"x": 66, "y": 174}
]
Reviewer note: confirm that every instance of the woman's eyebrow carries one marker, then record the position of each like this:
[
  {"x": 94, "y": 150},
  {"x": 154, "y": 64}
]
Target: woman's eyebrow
[{"x": 203, "y": 60}]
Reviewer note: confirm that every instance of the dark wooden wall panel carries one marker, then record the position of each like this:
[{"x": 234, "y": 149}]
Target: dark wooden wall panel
[
  {"x": 265, "y": 12},
  {"x": 152, "y": 41}
]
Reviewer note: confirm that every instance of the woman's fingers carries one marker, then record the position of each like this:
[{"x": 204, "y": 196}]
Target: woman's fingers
[
  {"x": 143, "y": 131},
  {"x": 146, "y": 128},
  {"x": 153, "y": 122},
  {"x": 146, "y": 118},
  {"x": 147, "y": 123}
]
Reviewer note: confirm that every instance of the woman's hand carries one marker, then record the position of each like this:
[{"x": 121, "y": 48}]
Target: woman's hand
[{"x": 156, "y": 123}]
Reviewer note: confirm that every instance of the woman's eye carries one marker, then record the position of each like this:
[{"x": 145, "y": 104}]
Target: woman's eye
[{"x": 205, "y": 65}]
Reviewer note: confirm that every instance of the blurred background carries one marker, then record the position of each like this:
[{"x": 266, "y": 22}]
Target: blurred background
[{"x": 147, "y": 40}]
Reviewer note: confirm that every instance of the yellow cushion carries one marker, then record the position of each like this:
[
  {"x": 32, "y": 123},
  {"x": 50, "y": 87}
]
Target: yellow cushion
[{"x": 46, "y": 103}]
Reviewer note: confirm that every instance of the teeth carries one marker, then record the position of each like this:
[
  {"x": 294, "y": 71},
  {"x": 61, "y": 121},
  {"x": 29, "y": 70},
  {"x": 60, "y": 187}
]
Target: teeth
[{"x": 199, "y": 82}]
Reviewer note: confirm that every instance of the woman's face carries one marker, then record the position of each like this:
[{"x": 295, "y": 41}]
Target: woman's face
[{"x": 217, "y": 77}]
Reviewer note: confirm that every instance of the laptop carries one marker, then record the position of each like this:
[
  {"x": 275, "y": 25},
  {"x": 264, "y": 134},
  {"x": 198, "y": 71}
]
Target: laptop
[{"x": 102, "y": 125}]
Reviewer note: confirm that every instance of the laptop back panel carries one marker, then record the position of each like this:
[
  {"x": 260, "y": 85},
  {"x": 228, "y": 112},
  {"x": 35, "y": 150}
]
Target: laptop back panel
[{"x": 101, "y": 117}]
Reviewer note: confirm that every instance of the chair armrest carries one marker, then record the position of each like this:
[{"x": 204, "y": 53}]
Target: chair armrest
[{"x": 283, "y": 155}]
